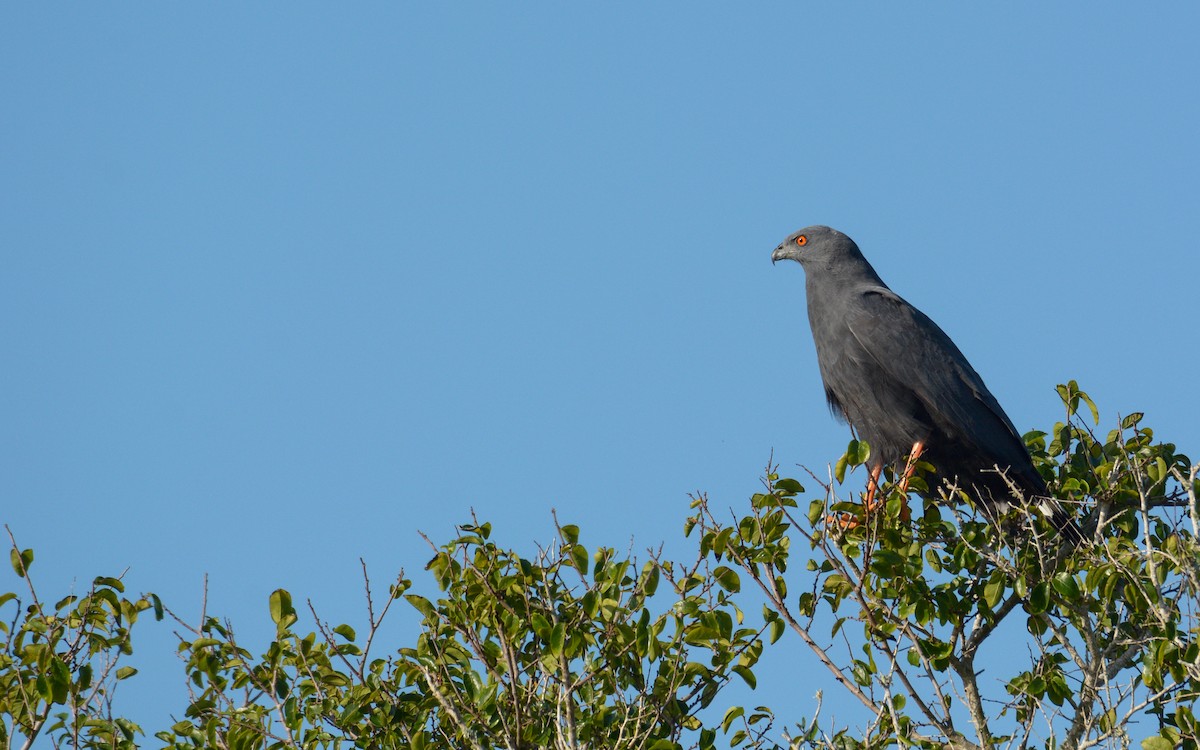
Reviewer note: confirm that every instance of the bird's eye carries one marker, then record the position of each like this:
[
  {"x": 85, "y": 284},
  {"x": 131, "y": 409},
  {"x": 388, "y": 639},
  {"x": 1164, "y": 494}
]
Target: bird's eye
[{"x": 801, "y": 241}]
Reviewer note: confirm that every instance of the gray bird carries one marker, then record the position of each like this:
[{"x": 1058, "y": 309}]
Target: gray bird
[{"x": 902, "y": 384}]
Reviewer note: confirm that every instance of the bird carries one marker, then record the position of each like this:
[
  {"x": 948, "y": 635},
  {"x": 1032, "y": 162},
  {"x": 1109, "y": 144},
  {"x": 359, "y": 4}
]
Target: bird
[{"x": 904, "y": 387}]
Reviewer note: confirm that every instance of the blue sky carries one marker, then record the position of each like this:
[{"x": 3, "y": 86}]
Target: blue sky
[{"x": 284, "y": 284}]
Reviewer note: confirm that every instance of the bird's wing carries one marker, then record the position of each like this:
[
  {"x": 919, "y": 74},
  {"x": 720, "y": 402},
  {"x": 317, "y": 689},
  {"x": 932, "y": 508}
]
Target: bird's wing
[{"x": 913, "y": 350}]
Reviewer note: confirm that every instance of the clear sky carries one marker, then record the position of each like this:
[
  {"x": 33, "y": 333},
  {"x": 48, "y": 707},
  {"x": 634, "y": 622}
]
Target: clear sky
[{"x": 282, "y": 284}]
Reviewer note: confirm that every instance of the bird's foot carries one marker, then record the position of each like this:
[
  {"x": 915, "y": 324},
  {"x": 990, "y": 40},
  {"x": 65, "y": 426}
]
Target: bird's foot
[
  {"x": 871, "y": 508},
  {"x": 843, "y": 522}
]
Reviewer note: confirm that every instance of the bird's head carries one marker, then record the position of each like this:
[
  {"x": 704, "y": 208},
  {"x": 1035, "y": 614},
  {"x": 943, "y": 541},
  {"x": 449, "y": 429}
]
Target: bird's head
[{"x": 816, "y": 246}]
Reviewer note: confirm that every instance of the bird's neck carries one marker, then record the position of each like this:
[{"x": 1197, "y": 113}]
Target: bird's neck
[{"x": 836, "y": 280}]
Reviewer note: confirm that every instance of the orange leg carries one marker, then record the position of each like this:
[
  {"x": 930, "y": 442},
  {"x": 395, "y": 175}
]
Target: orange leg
[
  {"x": 870, "y": 504},
  {"x": 917, "y": 449},
  {"x": 846, "y": 520},
  {"x": 911, "y": 466},
  {"x": 872, "y": 486}
]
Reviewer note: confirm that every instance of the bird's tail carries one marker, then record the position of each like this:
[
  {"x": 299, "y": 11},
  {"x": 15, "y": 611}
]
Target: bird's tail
[{"x": 1062, "y": 521}]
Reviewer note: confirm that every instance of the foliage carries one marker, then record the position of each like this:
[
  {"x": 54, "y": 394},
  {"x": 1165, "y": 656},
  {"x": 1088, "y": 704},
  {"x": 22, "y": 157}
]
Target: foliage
[
  {"x": 1112, "y": 626},
  {"x": 578, "y": 648},
  {"x": 563, "y": 650},
  {"x": 59, "y": 663}
]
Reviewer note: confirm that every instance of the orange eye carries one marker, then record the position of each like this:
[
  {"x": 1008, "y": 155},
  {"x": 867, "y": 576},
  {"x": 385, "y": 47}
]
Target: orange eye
[{"x": 801, "y": 241}]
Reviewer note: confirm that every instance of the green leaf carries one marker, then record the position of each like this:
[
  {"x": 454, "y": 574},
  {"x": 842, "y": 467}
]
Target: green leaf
[
  {"x": 557, "y": 637},
  {"x": 731, "y": 716},
  {"x": 282, "y": 612},
  {"x": 747, "y": 675},
  {"x": 1091, "y": 405},
  {"x": 579, "y": 557},
  {"x": 728, "y": 579},
  {"x": 815, "y": 510},
  {"x": 112, "y": 583},
  {"x": 21, "y": 560},
  {"x": 790, "y": 486},
  {"x": 1064, "y": 584},
  {"x": 1039, "y": 598},
  {"x": 807, "y": 603},
  {"x": 935, "y": 562},
  {"x": 570, "y": 533},
  {"x": 422, "y": 605},
  {"x": 839, "y": 469},
  {"x": 126, "y": 672},
  {"x": 345, "y": 631},
  {"x": 650, "y": 578},
  {"x": 59, "y": 680},
  {"x": 1157, "y": 743},
  {"x": 777, "y": 628},
  {"x": 857, "y": 452},
  {"x": 110, "y": 597},
  {"x": 993, "y": 591}
]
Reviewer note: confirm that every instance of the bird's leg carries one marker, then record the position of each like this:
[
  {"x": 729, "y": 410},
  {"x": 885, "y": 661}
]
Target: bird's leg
[
  {"x": 872, "y": 487},
  {"x": 917, "y": 449},
  {"x": 869, "y": 501},
  {"x": 909, "y": 467},
  {"x": 848, "y": 521}
]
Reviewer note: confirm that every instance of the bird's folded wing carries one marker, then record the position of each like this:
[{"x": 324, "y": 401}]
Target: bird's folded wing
[{"x": 909, "y": 346}]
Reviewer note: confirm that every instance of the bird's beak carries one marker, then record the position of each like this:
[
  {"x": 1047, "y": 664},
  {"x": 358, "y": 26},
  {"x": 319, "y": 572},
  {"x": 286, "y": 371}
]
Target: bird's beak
[{"x": 781, "y": 253}]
